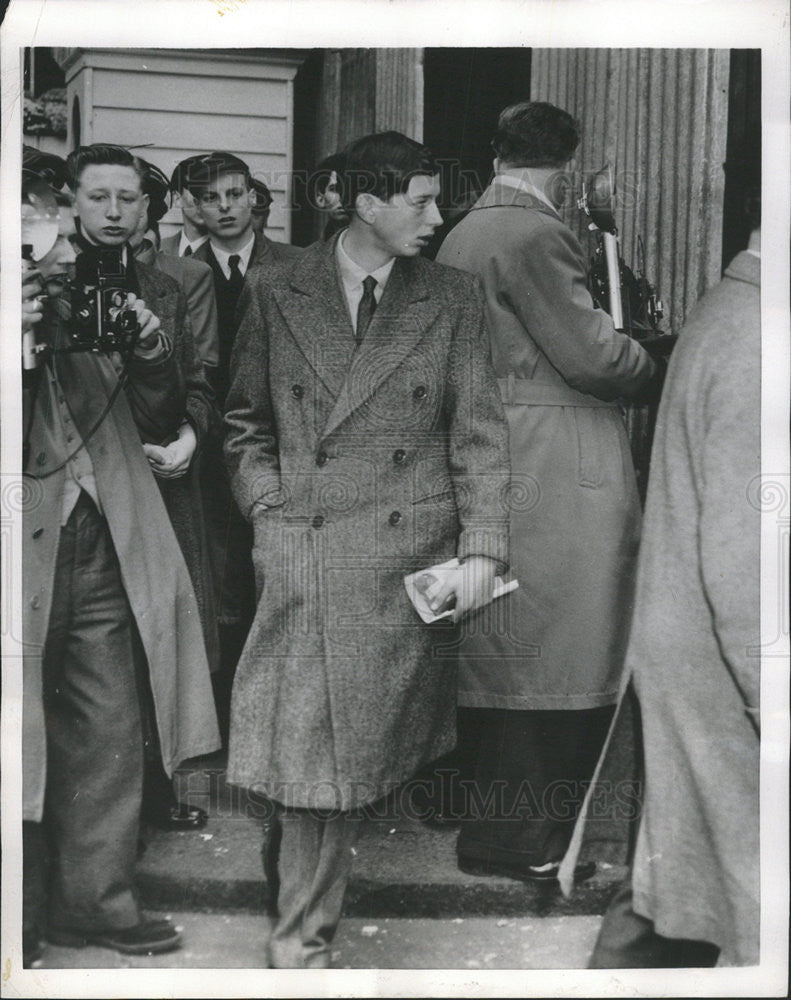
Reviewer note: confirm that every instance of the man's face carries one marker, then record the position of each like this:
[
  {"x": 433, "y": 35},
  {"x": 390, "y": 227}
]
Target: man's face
[
  {"x": 190, "y": 209},
  {"x": 404, "y": 225},
  {"x": 108, "y": 203},
  {"x": 54, "y": 265},
  {"x": 226, "y": 206},
  {"x": 329, "y": 200}
]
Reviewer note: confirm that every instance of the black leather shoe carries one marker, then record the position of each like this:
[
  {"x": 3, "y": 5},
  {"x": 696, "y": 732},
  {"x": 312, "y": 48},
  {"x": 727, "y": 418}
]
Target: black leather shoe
[
  {"x": 528, "y": 873},
  {"x": 149, "y": 937},
  {"x": 178, "y": 817}
]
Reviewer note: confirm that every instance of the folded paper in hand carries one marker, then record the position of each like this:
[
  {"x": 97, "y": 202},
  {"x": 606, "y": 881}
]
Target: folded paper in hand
[{"x": 416, "y": 584}]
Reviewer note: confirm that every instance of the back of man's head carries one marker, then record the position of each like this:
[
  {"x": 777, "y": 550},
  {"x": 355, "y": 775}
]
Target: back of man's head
[
  {"x": 382, "y": 164},
  {"x": 535, "y": 134},
  {"x": 98, "y": 155},
  {"x": 182, "y": 172}
]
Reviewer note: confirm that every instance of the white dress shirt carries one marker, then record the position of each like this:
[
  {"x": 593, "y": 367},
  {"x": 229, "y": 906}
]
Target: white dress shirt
[
  {"x": 192, "y": 244},
  {"x": 352, "y": 275},
  {"x": 244, "y": 254}
]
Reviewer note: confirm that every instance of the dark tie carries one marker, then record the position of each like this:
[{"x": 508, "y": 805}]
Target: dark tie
[
  {"x": 366, "y": 308},
  {"x": 188, "y": 251},
  {"x": 236, "y": 279}
]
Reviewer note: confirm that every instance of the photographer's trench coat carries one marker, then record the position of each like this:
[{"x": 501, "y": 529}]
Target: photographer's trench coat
[
  {"x": 153, "y": 569},
  {"x": 373, "y": 464}
]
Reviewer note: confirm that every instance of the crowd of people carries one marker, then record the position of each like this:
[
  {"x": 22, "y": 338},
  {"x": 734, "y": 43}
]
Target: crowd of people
[{"x": 228, "y": 501}]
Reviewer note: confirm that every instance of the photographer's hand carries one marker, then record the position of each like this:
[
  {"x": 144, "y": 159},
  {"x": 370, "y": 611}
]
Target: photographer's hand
[
  {"x": 32, "y": 299},
  {"x": 148, "y": 342},
  {"x": 173, "y": 460}
]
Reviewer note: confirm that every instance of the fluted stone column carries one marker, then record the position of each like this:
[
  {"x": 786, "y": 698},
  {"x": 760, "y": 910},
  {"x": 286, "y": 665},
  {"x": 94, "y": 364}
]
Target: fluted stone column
[{"x": 660, "y": 118}]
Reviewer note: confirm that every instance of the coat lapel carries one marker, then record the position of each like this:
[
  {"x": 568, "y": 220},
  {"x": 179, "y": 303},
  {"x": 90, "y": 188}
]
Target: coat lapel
[
  {"x": 402, "y": 318},
  {"x": 314, "y": 307}
]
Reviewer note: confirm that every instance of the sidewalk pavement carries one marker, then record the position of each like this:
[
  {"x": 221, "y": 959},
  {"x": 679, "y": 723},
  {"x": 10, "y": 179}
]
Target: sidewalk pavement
[
  {"x": 402, "y": 867},
  {"x": 238, "y": 941}
]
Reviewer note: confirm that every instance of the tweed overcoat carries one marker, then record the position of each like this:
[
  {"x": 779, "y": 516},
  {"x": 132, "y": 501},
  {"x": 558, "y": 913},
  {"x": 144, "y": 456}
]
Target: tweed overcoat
[
  {"x": 356, "y": 467},
  {"x": 557, "y": 642},
  {"x": 153, "y": 570}
]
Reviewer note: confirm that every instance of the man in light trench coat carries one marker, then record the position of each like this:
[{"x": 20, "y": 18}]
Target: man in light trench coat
[
  {"x": 365, "y": 440},
  {"x": 543, "y": 685}
]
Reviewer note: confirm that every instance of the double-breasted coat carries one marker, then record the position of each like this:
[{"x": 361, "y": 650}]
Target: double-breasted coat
[
  {"x": 558, "y": 641},
  {"x": 153, "y": 570},
  {"x": 356, "y": 467}
]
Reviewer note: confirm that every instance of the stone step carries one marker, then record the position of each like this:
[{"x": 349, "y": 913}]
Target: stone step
[{"x": 401, "y": 868}]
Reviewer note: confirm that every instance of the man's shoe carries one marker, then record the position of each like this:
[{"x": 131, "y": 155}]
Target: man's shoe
[
  {"x": 149, "y": 937},
  {"x": 528, "y": 873},
  {"x": 31, "y": 948},
  {"x": 178, "y": 817}
]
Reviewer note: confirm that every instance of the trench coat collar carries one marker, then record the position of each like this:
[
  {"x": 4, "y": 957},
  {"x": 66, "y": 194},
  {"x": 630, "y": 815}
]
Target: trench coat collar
[
  {"x": 500, "y": 195},
  {"x": 315, "y": 302}
]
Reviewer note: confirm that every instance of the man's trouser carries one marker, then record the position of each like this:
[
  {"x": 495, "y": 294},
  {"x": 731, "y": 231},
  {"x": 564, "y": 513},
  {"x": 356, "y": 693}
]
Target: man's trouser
[
  {"x": 530, "y": 779},
  {"x": 93, "y": 670},
  {"x": 312, "y": 862}
]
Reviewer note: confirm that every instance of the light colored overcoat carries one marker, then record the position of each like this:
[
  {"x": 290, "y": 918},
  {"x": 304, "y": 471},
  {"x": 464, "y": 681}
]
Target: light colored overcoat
[
  {"x": 557, "y": 642},
  {"x": 153, "y": 570},
  {"x": 693, "y": 649},
  {"x": 384, "y": 460}
]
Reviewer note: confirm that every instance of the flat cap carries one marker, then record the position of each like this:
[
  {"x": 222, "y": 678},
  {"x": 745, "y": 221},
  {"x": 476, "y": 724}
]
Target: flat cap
[{"x": 209, "y": 167}]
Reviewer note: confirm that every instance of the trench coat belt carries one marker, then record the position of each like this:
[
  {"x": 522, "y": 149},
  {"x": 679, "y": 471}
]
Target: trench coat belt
[{"x": 525, "y": 392}]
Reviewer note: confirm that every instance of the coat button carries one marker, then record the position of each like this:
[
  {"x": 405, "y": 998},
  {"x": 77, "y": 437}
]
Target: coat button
[
  {"x": 420, "y": 392},
  {"x": 321, "y": 458},
  {"x": 35, "y": 601},
  {"x": 399, "y": 456},
  {"x": 395, "y": 517},
  {"x": 318, "y": 520},
  {"x": 38, "y": 532},
  {"x": 297, "y": 391}
]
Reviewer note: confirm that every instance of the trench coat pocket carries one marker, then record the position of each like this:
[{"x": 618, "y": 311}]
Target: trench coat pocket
[{"x": 598, "y": 440}]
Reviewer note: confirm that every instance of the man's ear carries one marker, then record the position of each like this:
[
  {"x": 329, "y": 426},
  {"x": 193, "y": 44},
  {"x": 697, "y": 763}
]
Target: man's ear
[
  {"x": 144, "y": 198},
  {"x": 176, "y": 199},
  {"x": 365, "y": 206}
]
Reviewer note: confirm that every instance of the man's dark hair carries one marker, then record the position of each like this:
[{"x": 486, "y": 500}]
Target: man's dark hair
[
  {"x": 47, "y": 166},
  {"x": 182, "y": 171},
  {"x": 208, "y": 168},
  {"x": 99, "y": 155},
  {"x": 383, "y": 164},
  {"x": 536, "y": 134},
  {"x": 157, "y": 187},
  {"x": 320, "y": 177}
]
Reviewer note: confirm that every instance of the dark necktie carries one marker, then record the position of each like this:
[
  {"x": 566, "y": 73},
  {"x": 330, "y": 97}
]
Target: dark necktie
[
  {"x": 236, "y": 279},
  {"x": 188, "y": 251},
  {"x": 366, "y": 308}
]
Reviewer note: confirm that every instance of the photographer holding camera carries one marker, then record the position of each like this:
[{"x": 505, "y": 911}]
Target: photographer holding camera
[{"x": 110, "y": 616}]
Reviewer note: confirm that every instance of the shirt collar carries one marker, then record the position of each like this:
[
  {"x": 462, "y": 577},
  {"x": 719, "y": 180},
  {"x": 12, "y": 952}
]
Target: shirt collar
[
  {"x": 352, "y": 274},
  {"x": 518, "y": 180},
  {"x": 244, "y": 254},
  {"x": 193, "y": 244}
]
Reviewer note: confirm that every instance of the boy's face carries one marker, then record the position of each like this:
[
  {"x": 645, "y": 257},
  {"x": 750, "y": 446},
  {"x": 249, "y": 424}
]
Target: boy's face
[
  {"x": 329, "y": 200},
  {"x": 190, "y": 209},
  {"x": 404, "y": 225},
  {"x": 108, "y": 202},
  {"x": 54, "y": 265},
  {"x": 226, "y": 206}
]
